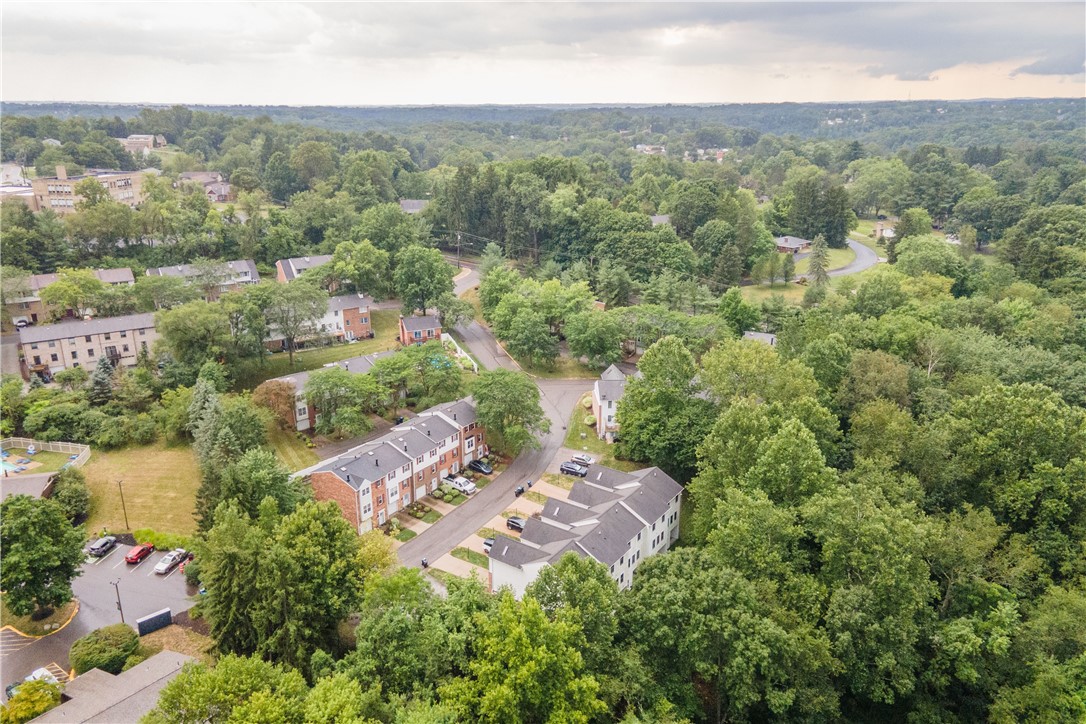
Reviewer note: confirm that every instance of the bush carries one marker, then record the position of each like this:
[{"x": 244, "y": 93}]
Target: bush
[
  {"x": 33, "y": 699},
  {"x": 587, "y": 403},
  {"x": 71, "y": 492},
  {"x": 438, "y": 494},
  {"x": 106, "y": 648},
  {"x": 590, "y": 420}
]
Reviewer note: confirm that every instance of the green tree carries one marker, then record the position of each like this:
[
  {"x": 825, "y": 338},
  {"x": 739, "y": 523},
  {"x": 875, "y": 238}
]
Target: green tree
[
  {"x": 344, "y": 401},
  {"x": 914, "y": 222},
  {"x": 525, "y": 669},
  {"x": 104, "y": 648},
  {"x": 507, "y": 404},
  {"x": 293, "y": 312},
  {"x": 596, "y": 336},
  {"x": 613, "y": 284},
  {"x": 42, "y": 554},
  {"x": 788, "y": 268},
  {"x": 313, "y": 161},
  {"x": 453, "y": 311},
  {"x": 33, "y": 699},
  {"x": 364, "y": 266},
  {"x": 818, "y": 261},
  {"x": 75, "y": 289},
  {"x": 71, "y": 493},
  {"x": 739, "y": 315},
  {"x": 499, "y": 283},
  {"x": 422, "y": 277},
  {"x": 155, "y": 292},
  {"x": 194, "y": 333},
  {"x": 256, "y": 476},
  {"x": 528, "y": 336},
  {"x": 230, "y": 558},
  {"x": 493, "y": 257}
]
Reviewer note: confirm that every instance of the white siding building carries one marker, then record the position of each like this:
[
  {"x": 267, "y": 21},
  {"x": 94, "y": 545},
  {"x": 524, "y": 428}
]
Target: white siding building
[{"x": 615, "y": 518}]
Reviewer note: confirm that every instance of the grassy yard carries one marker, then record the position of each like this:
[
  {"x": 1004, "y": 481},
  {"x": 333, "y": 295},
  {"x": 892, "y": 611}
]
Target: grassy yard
[
  {"x": 474, "y": 557},
  {"x": 181, "y": 640},
  {"x": 47, "y": 461},
  {"x": 291, "y": 451},
  {"x": 30, "y": 627},
  {"x": 385, "y": 329},
  {"x": 160, "y": 486},
  {"x": 564, "y": 369},
  {"x": 758, "y": 293},
  {"x": 836, "y": 258},
  {"x": 471, "y": 296},
  {"x": 405, "y": 535},
  {"x": 536, "y": 497},
  {"x": 431, "y": 517},
  {"x": 564, "y": 482}
]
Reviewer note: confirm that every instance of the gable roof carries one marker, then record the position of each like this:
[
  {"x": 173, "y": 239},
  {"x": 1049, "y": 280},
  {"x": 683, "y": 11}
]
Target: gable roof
[
  {"x": 417, "y": 323},
  {"x": 356, "y": 365},
  {"x": 413, "y": 206},
  {"x": 80, "y": 327},
  {"x": 349, "y": 301},
  {"x": 792, "y": 242},
  {"x": 613, "y": 373},
  {"x": 293, "y": 267},
  {"x": 122, "y": 275},
  {"x": 232, "y": 268}
]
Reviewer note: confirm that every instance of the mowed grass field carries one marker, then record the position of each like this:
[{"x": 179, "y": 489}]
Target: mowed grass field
[
  {"x": 603, "y": 452},
  {"x": 160, "y": 486},
  {"x": 291, "y": 451},
  {"x": 386, "y": 329},
  {"x": 836, "y": 258}
]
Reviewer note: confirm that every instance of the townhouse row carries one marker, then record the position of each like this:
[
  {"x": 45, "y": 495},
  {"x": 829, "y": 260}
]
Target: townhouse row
[{"x": 372, "y": 482}]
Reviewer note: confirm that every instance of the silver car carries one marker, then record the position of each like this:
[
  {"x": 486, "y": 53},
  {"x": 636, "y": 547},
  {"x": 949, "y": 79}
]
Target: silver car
[
  {"x": 171, "y": 561},
  {"x": 462, "y": 484}
]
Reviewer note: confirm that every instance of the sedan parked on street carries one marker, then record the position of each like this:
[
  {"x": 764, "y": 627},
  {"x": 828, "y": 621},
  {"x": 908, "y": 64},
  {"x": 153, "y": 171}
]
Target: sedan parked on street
[
  {"x": 102, "y": 546},
  {"x": 480, "y": 467},
  {"x": 573, "y": 469},
  {"x": 171, "y": 560},
  {"x": 138, "y": 553}
]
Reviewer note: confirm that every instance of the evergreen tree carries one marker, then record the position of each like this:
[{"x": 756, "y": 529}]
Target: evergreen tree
[
  {"x": 788, "y": 268},
  {"x": 101, "y": 382},
  {"x": 817, "y": 261}
]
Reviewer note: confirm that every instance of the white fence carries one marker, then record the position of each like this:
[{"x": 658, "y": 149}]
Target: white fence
[
  {"x": 460, "y": 351},
  {"x": 71, "y": 448}
]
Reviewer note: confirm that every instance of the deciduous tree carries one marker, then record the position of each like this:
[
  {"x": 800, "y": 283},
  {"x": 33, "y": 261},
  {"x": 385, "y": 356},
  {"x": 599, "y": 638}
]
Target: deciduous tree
[
  {"x": 42, "y": 554},
  {"x": 507, "y": 404}
]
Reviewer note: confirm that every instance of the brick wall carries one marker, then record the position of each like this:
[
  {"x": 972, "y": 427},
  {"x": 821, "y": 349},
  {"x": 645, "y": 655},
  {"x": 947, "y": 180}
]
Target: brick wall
[
  {"x": 328, "y": 486},
  {"x": 353, "y": 324}
]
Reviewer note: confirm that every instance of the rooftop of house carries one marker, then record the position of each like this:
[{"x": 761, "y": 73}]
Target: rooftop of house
[
  {"x": 420, "y": 323},
  {"x": 107, "y": 276},
  {"x": 293, "y": 267},
  {"x": 375, "y": 459},
  {"x": 413, "y": 206},
  {"x": 202, "y": 177},
  {"x": 122, "y": 699},
  {"x": 356, "y": 365},
  {"x": 81, "y": 327},
  {"x": 770, "y": 339},
  {"x": 792, "y": 242},
  {"x": 236, "y": 268},
  {"x": 349, "y": 301},
  {"x": 603, "y": 513},
  {"x": 658, "y": 219}
]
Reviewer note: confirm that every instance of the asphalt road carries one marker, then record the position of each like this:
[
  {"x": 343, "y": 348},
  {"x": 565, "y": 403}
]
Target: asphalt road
[
  {"x": 865, "y": 259},
  {"x": 142, "y": 592}
]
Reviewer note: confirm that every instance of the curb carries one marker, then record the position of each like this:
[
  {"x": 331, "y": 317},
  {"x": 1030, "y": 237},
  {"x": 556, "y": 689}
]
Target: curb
[{"x": 9, "y": 627}]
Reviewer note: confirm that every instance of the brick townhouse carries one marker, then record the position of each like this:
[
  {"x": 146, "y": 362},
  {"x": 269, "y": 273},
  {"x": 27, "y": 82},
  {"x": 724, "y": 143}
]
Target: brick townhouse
[
  {"x": 419, "y": 329},
  {"x": 305, "y": 415},
  {"x": 375, "y": 480},
  {"x": 50, "y": 348}
]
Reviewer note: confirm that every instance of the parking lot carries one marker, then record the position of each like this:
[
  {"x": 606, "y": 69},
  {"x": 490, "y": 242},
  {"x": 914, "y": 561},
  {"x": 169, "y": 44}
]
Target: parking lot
[{"x": 141, "y": 592}]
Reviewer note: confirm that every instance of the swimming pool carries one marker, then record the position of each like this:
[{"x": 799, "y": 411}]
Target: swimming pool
[{"x": 9, "y": 466}]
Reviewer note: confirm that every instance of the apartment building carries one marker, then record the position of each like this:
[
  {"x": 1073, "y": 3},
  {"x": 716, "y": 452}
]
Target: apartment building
[
  {"x": 419, "y": 330},
  {"x": 32, "y": 310},
  {"x": 138, "y": 144},
  {"x": 607, "y": 392},
  {"x": 618, "y": 519},
  {"x": 287, "y": 270},
  {"x": 58, "y": 192},
  {"x": 50, "y": 348},
  {"x": 375, "y": 480},
  {"x": 230, "y": 276},
  {"x": 348, "y": 317},
  {"x": 305, "y": 415}
]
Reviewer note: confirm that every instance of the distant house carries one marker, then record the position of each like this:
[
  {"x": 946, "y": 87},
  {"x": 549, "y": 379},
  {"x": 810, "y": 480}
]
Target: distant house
[
  {"x": 122, "y": 699},
  {"x": 659, "y": 219},
  {"x": 615, "y": 518},
  {"x": 792, "y": 244},
  {"x": 413, "y": 206},
  {"x": 160, "y": 140},
  {"x": 138, "y": 144},
  {"x": 287, "y": 270},
  {"x": 770, "y": 339},
  {"x": 305, "y": 415},
  {"x": 233, "y": 275},
  {"x": 607, "y": 392},
  {"x": 11, "y": 174},
  {"x": 419, "y": 329},
  {"x": 201, "y": 177},
  {"x": 51, "y": 142},
  {"x": 219, "y": 192},
  {"x": 32, "y": 310},
  {"x": 215, "y": 185}
]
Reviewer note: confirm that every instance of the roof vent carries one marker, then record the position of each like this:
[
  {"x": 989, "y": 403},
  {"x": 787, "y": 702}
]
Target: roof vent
[
  {"x": 505, "y": 549},
  {"x": 454, "y": 415},
  {"x": 343, "y": 469},
  {"x": 428, "y": 434},
  {"x": 348, "y": 478}
]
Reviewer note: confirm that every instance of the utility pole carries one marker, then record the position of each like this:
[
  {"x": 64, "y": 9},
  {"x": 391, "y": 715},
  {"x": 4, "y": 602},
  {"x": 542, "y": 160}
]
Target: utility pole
[
  {"x": 120, "y": 487},
  {"x": 117, "y": 588},
  {"x": 458, "y": 250}
]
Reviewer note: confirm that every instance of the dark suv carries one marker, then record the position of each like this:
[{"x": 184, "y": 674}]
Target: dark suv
[
  {"x": 102, "y": 546},
  {"x": 573, "y": 469},
  {"x": 515, "y": 524},
  {"x": 480, "y": 467}
]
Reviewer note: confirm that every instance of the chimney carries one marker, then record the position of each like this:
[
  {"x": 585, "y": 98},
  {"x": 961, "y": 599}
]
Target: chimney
[{"x": 62, "y": 173}]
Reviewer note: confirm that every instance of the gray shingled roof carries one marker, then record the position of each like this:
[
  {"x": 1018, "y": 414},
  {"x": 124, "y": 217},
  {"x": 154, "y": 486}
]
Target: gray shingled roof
[
  {"x": 294, "y": 266},
  {"x": 792, "y": 242},
  {"x": 434, "y": 426},
  {"x": 420, "y": 324},
  {"x": 514, "y": 553},
  {"x": 80, "y": 327},
  {"x": 372, "y": 461},
  {"x": 613, "y": 373},
  {"x": 610, "y": 538},
  {"x": 411, "y": 442},
  {"x": 356, "y": 365},
  {"x": 413, "y": 206},
  {"x": 349, "y": 301},
  {"x": 187, "y": 270},
  {"x": 107, "y": 276},
  {"x": 610, "y": 389},
  {"x": 461, "y": 411},
  {"x": 542, "y": 534},
  {"x": 122, "y": 699}
]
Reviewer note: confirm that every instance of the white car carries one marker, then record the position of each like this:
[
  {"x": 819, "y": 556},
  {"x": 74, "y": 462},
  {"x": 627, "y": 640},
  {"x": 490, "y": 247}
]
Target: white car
[
  {"x": 582, "y": 459},
  {"x": 462, "y": 484},
  {"x": 171, "y": 560}
]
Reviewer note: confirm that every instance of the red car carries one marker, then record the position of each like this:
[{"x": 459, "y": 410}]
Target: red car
[{"x": 138, "y": 553}]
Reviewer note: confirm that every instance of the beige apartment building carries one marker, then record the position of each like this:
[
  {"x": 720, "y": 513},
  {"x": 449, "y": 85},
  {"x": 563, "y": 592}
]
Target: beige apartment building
[
  {"x": 50, "y": 348},
  {"x": 30, "y": 309},
  {"x": 58, "y": 192}
]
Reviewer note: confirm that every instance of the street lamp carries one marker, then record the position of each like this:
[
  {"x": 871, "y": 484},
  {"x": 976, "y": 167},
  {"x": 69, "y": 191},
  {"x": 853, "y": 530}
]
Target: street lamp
[
  {"x": 123, "y": 507},
  {"x": 117, "y": 588}
]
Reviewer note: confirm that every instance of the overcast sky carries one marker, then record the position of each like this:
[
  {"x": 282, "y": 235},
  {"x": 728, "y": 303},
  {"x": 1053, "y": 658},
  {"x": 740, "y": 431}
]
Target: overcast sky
[{"x": 436, "y": 53}]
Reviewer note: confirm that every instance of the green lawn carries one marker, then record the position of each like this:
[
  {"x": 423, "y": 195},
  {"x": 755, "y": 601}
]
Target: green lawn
[
  {"x": 758, "y": 293},
  {"x": 290, "y": 450},
  {"x": 385, "y": 329},
  {"x": 431, "y": 517},
  {"x": 47, "y": 461},
  {"x": 564, "y": 482},
  {"x": 405, "y": 535},
  {"x": 836, "y": 258},
  {"x": 536, "y": 497},
  {"x": 603, "y": 452},
  {"x": 564, "y": 369},
  {"x": 471, "y": 296},
  {"x": 160, "y": 486},
  {"x": 475, "y": 557},
  {"x": 27, "y": 625}
]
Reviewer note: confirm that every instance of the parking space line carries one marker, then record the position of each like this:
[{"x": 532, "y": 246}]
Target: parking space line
[{"x": 118, "y": 563}]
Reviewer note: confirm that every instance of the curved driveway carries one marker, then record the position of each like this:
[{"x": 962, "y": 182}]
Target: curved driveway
[{"x": 865, "y": 259}]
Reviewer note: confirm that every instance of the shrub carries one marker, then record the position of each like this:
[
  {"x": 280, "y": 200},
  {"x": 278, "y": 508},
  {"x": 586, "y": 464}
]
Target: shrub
[
  {"x": 587, "y": 403},
  {"x": 71, "y": 492},
  {"x": 33, "y": 699},
  {"x": 162, "y": 541},
  {"x": 590, "y": 420},
  {"x": 438, "y": 494},
  {"x": 106, "y": 648}
]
